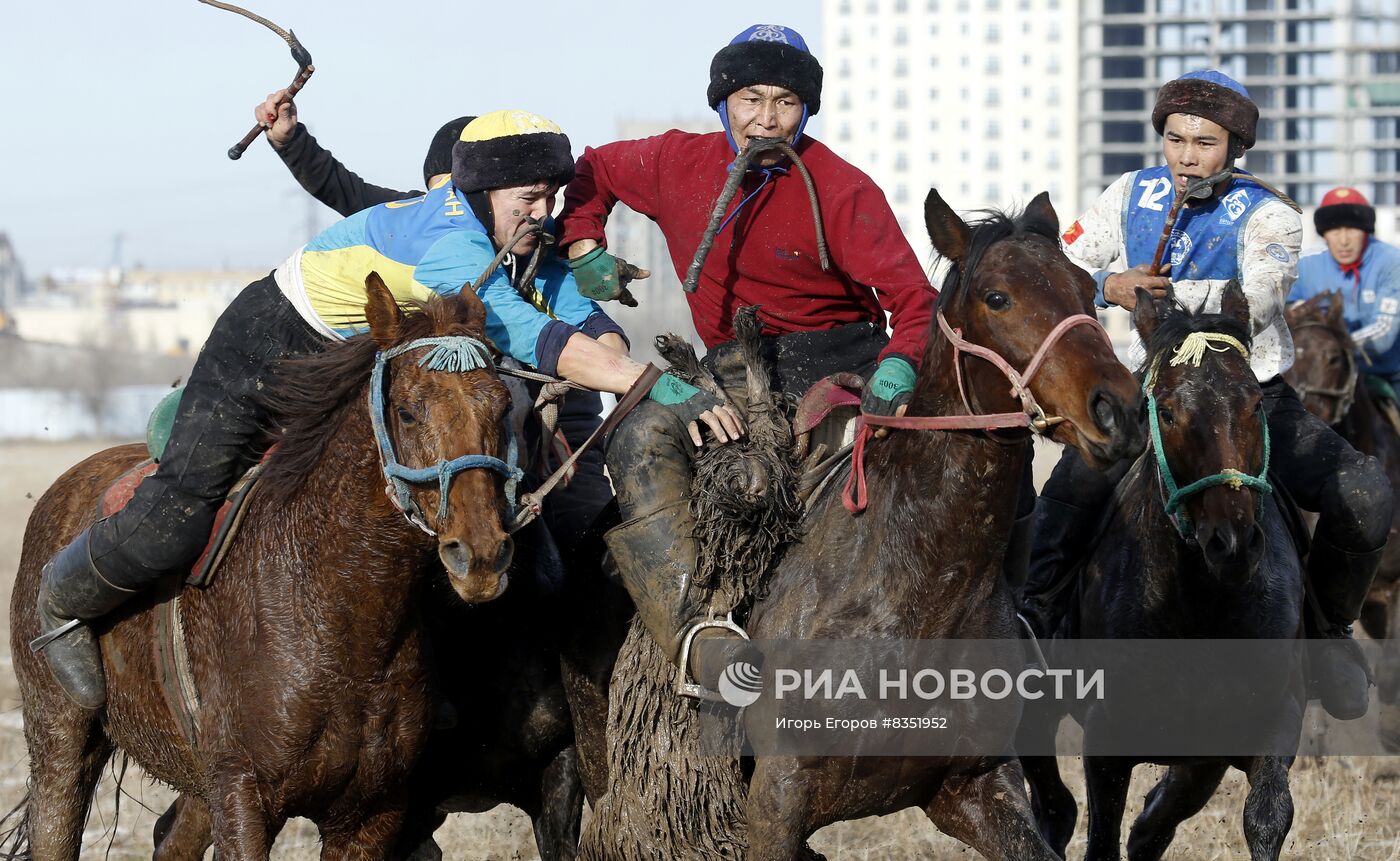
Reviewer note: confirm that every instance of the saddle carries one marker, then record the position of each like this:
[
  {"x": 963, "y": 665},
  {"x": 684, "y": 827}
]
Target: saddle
[
  {"x": 824, "y": 431},
  {"x": 230, "y": 514}
]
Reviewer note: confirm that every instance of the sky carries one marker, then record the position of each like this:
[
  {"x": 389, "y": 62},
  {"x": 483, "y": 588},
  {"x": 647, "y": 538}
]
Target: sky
[{"x": 118, "y": 114}]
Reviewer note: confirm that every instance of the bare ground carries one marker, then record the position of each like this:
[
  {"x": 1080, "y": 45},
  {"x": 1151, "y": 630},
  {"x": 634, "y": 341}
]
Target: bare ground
[{"x": 1347, "y": 808}]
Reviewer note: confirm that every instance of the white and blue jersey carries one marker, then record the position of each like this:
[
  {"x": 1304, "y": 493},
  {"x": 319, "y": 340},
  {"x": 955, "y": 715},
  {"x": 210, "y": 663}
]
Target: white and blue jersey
[
  {"x": 429, "y": 245},
  {"x": 1246, "y": 234},
  {"x": 1370, "y": 301}
]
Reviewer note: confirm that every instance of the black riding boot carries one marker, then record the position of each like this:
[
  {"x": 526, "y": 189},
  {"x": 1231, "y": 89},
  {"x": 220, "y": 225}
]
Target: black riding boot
[
  {"x": 1339, "y": 582},
  {"x": 1016, "y": 564},
  {"x": 71, "y": 588},
  {"x": 1061, "y": 532},
  {"x": 655, "y": 555}
]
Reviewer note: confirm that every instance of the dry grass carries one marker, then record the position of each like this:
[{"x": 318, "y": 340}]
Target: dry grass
[{"x": 1347, "y": 808}]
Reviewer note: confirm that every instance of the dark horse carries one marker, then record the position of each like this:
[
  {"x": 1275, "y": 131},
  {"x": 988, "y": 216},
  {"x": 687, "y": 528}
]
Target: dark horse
[
  {"x": 309, "y": 651},
  {"x": 1330, "y": 384},
  {"x": 924, "y": 560},
  {"x": 1215, "y": 569}
]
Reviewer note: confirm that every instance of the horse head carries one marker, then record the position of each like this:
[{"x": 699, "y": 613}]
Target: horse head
[
  {"x": 1011, "y": 289},
  {"x": 1209, "y": 434},
  {"x": 442, "y": 417},
  {"x": 1324, "y": 357}
]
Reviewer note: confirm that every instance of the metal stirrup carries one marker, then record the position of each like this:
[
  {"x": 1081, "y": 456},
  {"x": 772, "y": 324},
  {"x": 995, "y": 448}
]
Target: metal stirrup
[{"x": 686, "y": 687}]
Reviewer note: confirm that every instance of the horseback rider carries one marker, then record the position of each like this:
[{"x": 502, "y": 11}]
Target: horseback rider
[
  {"x": 580, "y": 511},
  {"x": 764, "y": 84},
  {"x": 1237, "y": 230},
  {"x": 506, "y": 169},
  {"x": 1365, "y": 271}
]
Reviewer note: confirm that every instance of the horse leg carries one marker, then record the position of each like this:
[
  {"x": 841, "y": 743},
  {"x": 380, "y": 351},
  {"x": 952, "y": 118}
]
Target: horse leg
[
  {"x": 183, "y": 832},
  {"x": 1268, "y": 808},
  {"x": 989, "y": 811},
  {"x": 67, "y": 750},
  {"x": 561, "y": 808},
  {"x": 369, "y": 838},
  {"x": 777, "y": 804},
  {"x": 1053, "y": 804},
  {"x": 241, "y": 825},
  {"x": 1179, "y": 795},
  {"x": 1106, "y": 778}
]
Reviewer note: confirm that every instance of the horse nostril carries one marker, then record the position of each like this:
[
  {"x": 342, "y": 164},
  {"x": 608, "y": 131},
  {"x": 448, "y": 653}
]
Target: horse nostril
[
  {"x": 1220, "y": 547},
  {"x": 455, "y": 556},
  {"x": 1105, "y": 411},
  {"x": 504, "y": 555}
]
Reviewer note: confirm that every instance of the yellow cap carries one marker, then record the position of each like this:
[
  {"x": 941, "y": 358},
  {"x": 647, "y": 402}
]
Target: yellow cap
[{"x": 499, "y": 124}]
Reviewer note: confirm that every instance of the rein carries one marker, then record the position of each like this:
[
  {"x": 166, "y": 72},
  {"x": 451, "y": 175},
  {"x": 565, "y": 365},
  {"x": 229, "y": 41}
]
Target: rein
[
  {"x": 451, "y": 354},
  {"x": 1192, "y": 350},
  {"x": 1031, "y": 416},
  {"x": 1342, "y": 397}
]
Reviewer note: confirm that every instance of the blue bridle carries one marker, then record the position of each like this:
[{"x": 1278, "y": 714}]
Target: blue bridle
[{"x": 453, "y": 354}]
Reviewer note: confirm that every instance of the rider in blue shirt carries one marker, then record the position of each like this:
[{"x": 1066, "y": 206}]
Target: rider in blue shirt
[{"x": 1365, "y": 271}]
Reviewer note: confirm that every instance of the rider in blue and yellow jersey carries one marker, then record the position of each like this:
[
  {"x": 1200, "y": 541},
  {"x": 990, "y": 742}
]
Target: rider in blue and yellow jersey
[{"x": 507, "y": 168}]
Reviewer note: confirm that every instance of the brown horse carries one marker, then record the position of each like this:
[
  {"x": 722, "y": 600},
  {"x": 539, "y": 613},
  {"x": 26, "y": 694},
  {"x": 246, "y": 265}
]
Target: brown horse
[
  {"x": 309, "y": 650},
  {"x": 924, "y": 560},
  {"x": 1327, "y": 378}
]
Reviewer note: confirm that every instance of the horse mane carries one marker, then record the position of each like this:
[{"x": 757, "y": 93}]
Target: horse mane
[
  {"x": 1175, "y": 321},
  {"x": 307, "y": 397},
  {"x": 990, "y": 227}
]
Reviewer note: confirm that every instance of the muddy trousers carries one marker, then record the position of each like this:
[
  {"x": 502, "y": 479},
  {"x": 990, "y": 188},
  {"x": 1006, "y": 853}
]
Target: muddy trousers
[
  {"x": 218, "y": 434},
  {"x": 1319, "y": 469},
  {"x": 650, "y": 458}
]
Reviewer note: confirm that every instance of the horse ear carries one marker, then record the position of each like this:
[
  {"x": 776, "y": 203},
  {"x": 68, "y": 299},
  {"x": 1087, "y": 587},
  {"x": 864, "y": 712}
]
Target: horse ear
[
  {"x": 471, "y": 313},
  {"x": 1234, "y": 305},
  {"x": 1146, "y": 314},
  {"x": 382, "y": 312},
  {"x": 1040, "y": 211},
  {"x": 1334, "y": 309},
  {"x": 949, "y": 234}
]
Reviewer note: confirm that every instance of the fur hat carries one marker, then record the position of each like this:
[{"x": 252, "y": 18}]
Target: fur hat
[
  {"x": 439, "y": 158},
  {"x": 1344, "y": 207},
  {"x": 1210, "y": 95},
  {"x": 508, "y": 148},
  {"x": 767, "y": 54}
]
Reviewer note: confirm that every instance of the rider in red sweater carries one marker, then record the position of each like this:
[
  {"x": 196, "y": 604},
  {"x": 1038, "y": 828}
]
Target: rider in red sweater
[{"x": 764, "y": 84}]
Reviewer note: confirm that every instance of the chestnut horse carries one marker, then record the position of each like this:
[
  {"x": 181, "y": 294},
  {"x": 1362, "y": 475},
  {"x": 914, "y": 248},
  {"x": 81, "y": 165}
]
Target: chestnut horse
[
  {"x": 1331, "y": 386},
  {"x": 1195, "y": 546},
  {"x": 924, "y": 559},
  {"x": 309, "y": 650}
]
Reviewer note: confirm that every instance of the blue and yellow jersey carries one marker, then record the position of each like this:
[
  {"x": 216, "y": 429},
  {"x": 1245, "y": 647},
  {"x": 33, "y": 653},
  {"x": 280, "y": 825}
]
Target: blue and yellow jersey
[{"x": 428, "y": 245}]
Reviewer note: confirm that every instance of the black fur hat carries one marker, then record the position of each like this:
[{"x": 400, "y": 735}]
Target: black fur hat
[
  {"x": 767, "y": 54},
  {"x": 439, "y": 158},
  {"x": 508, "y": 148}
]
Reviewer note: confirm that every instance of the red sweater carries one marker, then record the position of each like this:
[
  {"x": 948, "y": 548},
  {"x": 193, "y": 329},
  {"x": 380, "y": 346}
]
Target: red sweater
[{"x": 767, "y": 255}]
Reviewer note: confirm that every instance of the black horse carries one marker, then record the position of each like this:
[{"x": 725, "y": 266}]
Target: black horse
[{"x": 1213, "y": 562}]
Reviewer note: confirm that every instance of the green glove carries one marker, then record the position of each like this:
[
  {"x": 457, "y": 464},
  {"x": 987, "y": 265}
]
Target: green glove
[
  {"x": 889, "y": 388},
  {"x": 681, "y": 398},
  {"x": 602, "y": 277}
]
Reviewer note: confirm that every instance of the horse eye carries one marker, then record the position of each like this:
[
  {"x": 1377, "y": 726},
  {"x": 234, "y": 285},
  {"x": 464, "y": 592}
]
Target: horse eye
[
  {"x": 997, "y": 301},
  {"x": 1165, "y": 416},
  {"x": 406, "y": 417}
]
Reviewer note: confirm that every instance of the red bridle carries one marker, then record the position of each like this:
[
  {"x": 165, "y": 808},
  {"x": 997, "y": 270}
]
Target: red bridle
[{"x": 1030, "y": 416}]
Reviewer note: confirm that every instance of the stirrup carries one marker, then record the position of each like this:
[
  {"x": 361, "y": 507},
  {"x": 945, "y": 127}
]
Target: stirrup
[
  {"x": 686, "y": 687},
  {"x": 38, "y": 643},
  {"x": 1034, "y": 641}
]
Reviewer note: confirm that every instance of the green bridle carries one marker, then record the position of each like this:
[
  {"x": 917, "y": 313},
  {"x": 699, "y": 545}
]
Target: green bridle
[{"x": 1193, "y": 350}]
